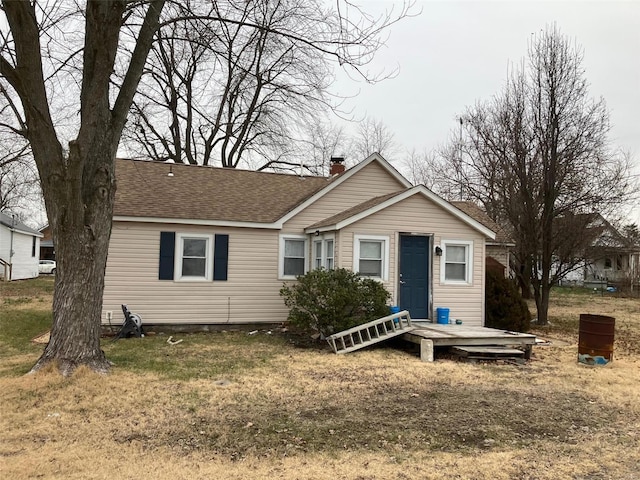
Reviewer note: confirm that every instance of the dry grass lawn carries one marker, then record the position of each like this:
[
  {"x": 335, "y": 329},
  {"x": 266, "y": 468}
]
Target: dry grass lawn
[{"x": 238, "y": 406}]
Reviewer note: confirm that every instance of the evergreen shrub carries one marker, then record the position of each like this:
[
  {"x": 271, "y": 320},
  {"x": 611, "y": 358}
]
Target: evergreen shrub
[
  {"x": 329, "y": 301},
  {"x": 504, "y": 307}
]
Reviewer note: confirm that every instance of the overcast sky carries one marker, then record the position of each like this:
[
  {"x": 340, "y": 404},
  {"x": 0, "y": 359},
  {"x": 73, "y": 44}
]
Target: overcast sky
[{"x": 456, "y": 53}]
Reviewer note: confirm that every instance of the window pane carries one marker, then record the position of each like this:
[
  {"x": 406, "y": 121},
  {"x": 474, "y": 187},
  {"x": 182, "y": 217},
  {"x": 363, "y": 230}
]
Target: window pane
[
  {"x": 455, "y": 271},
  {"x": 371, "y": 268},
  {"x": 329, "y": 248},
  {"x": 294, "y": 248},
  {"x": 193, "y": 267},
  {"x": 329, "y": 263},
  {"x": 294, "y": 266},
  {"x": 195, "y": 247},
  {"x": 456, "y": 253},
  {"x": 371, "y": 250},
  {"x": 317, "y": 255}
]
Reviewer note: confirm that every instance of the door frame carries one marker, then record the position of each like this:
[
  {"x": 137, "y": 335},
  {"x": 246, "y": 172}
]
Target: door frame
[{"x": 430, "y": 247}]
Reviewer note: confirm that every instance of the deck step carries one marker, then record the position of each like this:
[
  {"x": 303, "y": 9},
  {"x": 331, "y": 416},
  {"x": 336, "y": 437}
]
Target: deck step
[
  {"x": 371, "y": 333},
  {"x": 489, "y": 352}
]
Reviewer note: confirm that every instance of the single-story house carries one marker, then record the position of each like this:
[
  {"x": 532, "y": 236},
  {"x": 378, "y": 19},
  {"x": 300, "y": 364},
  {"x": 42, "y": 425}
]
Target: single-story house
[
  {"x": 19, "y": 249},
  {"x": 198, "y": 245}
]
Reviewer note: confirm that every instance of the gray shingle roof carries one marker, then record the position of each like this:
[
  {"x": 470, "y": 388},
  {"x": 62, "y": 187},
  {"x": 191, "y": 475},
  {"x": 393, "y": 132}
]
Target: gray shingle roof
[
  {"x": 7, "y": 220},
  {"x": 479, "y": 215},
  {"x": 145, "y": 189}
]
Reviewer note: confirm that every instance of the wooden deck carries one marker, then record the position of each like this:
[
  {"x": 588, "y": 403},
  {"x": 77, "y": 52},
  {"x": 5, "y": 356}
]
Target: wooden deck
[{"x": 431, "y": 335}]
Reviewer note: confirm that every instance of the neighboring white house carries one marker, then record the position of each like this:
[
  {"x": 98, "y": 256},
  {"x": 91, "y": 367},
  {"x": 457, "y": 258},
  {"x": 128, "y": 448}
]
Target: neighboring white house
[
  {"x": 19, "y": 249},
  {"x": 202, "y": 245},
  {"x": 611, "y": 259}
]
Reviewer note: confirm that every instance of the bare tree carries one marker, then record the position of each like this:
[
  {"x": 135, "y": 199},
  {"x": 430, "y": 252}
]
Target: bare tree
[
  {"x": 77, "y": 50},
  {"x": 221, "y": 92},
  {"x": 537, "y": 157},
  {"x": 374, "y": 136},
  {"x": 19, "y": 184}
]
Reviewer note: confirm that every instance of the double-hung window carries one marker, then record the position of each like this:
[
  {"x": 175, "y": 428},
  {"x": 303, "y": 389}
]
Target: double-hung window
[
  {"x": 193, "y": 259},
  {"x": 328, "y": 253},
  {"x": 293, "y": 256},
  {"x": 371, "y": 256},
  {"x": 457, "y": 262},
  {"x": 323, "y": 253}
]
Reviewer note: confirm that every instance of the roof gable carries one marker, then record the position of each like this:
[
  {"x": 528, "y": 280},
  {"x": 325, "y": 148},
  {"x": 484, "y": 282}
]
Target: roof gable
[
  {"x": 348, "y": 174},
  {"x": 365, "y": 209}
]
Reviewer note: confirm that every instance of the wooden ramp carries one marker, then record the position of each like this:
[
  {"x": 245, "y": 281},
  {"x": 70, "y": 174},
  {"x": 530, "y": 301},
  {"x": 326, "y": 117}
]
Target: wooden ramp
[{"x": 372, "y": 332}]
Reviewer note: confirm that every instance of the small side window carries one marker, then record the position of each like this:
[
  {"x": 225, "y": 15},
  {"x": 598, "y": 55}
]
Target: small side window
[{"x": 457, "y": 262}]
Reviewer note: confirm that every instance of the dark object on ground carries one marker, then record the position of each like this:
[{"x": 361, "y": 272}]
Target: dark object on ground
[{"x": 132, "y": 325}]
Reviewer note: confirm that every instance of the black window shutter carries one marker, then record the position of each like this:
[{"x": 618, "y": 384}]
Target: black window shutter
[
  {"x": 220, "y": 257},
  {"x": 167, "y": 253}
]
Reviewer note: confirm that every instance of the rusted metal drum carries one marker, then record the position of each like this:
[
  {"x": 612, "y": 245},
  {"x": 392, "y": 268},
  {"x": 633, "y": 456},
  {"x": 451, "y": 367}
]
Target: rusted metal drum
[{"x": 595, "y": 339}]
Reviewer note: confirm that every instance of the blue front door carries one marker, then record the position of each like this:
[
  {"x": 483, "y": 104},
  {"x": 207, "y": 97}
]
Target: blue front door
[{"x": 414, "y": 275}]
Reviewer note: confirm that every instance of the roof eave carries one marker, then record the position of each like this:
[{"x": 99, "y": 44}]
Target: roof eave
[{"x": 212, "y": 223}]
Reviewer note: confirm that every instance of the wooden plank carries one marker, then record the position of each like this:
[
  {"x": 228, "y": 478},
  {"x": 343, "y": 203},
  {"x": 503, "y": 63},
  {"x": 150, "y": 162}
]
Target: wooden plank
[{"x": 488, "y": 351}]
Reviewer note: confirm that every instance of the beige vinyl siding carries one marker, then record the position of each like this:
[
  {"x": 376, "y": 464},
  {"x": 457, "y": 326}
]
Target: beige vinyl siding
[
  {"x": 501, "y": 254},
  {"x": 417, "y": 214},
  {"x": 372, "y": 181},
  {"x": 250, "y": 295}
]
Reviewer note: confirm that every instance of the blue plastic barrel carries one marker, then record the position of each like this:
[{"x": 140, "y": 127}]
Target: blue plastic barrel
[
  {"x": 394, "y": 309},
  {"x": 443, "y": 314}
]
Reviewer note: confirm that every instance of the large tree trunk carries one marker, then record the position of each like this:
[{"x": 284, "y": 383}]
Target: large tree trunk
[
  {"x": 81, "y": 229},
  {"x": 78, "y": 188}
]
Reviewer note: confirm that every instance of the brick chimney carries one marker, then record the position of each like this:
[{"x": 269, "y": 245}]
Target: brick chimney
[{"x": 337, "y": 166}]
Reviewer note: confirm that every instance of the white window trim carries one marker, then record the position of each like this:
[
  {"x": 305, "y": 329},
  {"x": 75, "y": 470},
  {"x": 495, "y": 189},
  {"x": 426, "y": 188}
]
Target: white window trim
[
  {"x": 468, "y": 260},
  {"x": 357, "y": 238},
  {"x": 283, "y": 237},
  {"x": 323, "y": 240},
  {"x": 179, "y": 249}
]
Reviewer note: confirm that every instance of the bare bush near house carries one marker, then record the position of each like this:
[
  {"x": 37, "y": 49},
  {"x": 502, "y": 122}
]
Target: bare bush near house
[
  {"x": 537, "y": 157},
  {"x": 70, "y": 55}
]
